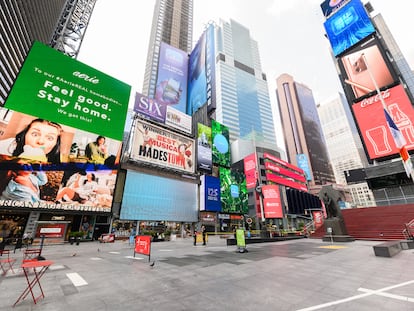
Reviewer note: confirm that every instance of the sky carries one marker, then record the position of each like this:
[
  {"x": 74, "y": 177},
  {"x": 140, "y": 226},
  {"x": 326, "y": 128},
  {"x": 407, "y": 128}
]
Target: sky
[{"x": 290, "y": 36}]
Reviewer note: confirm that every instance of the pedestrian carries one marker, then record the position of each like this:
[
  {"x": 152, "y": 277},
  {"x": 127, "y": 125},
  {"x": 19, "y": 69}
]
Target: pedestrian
[
  {"x": 195, "y": 237},
  {"x": 204, "y": 233},
  {"x": 132, "y": 237}
]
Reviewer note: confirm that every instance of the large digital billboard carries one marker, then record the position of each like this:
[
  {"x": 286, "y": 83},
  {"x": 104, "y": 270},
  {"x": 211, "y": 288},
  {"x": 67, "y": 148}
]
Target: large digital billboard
[
  {"x": 201, "y": 73},
  {"x": 233, "y": 190},
  {"x": 348, "y": 26},
  {"x": 153, "y": 145},
  {"x": 362, "y": 65},
  {"x": 204, "y": 150},
  {"x": 61, "y": 131},
  {"x": 272, "y": 203},
  {"x": 171, "y": 86},
  {"x": 250, "y": 170},
  {"x": 210, "y": 194},
  {"x": 370, "y": 117},
  {"x": 221, "y": 144},
  {"x": 330, "y": 6}
]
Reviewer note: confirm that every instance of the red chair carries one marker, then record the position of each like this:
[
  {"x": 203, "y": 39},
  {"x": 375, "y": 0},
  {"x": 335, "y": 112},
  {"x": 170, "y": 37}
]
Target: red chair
[
  {"x": 6, "y": 264},
  {"x": 31, "y": 254}
]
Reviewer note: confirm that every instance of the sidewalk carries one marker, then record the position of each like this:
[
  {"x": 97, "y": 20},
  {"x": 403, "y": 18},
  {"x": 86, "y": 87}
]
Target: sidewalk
[{"x": 305, "y": 274}]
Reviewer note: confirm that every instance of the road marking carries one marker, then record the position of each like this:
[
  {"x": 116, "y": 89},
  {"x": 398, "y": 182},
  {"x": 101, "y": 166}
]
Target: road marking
[
  {"x": 132, "y": 257},
  {"x": 95, "y": 258},
  {"x": 333, "y": 246},
  {"x": 114, "y": 253},
  {"x": 370, "y": 293},
  {"x": 76, "y": 279},
  {"x": 165, "y": 250},
  {"x": 398, "y": 297}
]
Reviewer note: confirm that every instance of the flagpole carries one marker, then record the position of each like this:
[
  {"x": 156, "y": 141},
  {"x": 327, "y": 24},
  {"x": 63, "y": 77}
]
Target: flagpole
[{"x": 384, "y": 106}]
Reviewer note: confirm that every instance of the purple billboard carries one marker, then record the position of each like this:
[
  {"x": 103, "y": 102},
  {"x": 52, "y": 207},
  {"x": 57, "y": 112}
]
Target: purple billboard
[{"x": 171, "y": 87}]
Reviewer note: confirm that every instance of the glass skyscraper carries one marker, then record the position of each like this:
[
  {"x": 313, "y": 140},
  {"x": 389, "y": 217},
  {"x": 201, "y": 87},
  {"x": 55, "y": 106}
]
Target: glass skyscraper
[
  {"x": 172, "y": 23},
  {"x": 242, "y": 97}
]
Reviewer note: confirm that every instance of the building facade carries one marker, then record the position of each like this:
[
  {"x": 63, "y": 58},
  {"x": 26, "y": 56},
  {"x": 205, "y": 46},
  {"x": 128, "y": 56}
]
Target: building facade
[
  {"x": 242, "y": 101},
  {"x": 303, "y": 132},
  {"x": 172, "y": 23},
  {"x": 338, "y": 127}
]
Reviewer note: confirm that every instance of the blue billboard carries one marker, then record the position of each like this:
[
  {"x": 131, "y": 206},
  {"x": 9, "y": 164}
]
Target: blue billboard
[
  {"x": 348, "y": 26},
  {"x": 201, "y": 73},
  {"x": 171, "y": 87},
  {"x": 210, "y": 199}
]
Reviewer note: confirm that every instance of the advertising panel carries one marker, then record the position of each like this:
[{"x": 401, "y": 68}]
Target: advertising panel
[
  {"x": 157, "y": 146},
  {"x": 272, "y": 204},
  {"x": 60, "y": 135},
  {"x": 210, "y": 194},
  {"x": 303, "y": 163},
  {"x": 221, "y": 144},
  {"x": 361, "y": 65},
  {"x": 233, "y": 191},
  {"x": 143, "y": 244},
  {"x": 284, "y": 163},
  {"x": 330, "y": 6},
  {"x": 201, "y": 73},
  {"x": 283, "y": 171},
  {"x": 250, "y": 170},
  {"x": 150, "y": 197},
  {"x": 204, "y": 151},
  {"x": 149, "y": 108},
  {"x": 286, "y": 182},
  {"x": 171, "y": 86},
  {"x": 348, "y": 26},
  {"x": 370, "y": 117}
]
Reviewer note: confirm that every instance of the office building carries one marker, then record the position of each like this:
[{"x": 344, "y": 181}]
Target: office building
[
  {"x": 303, "y": 132},
  {"x": 172, "y": 24},
  {"x": 242, "y": 98},
  {"x": 338, "y": 126},
  {"x": 366, "y": 56}
]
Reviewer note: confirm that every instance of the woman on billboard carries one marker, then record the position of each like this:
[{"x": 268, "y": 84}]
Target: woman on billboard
[{"x": 39, "y": 141}]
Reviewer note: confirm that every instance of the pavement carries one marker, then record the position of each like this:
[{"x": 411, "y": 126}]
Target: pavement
[{"x": 301, "y": 275}]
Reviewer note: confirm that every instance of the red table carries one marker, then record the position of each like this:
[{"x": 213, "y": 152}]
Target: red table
[{"x": 43, "y": 265}]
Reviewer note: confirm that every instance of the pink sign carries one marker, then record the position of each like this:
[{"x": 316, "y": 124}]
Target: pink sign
[
  {"x": 143, "y": 244},
  {"x": 272, "y": 204}
]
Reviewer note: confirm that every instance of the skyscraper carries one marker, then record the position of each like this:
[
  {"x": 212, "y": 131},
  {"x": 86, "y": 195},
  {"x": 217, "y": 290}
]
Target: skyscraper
[
  {"x": 338, "y": 127},
  {"x": 302, "y": 130},
  {"x": 172, "y": 23},
  {"x": 242, "y": 98}
]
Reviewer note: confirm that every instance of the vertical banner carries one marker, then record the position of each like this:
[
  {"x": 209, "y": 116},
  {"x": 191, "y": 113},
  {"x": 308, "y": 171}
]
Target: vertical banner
[
  {"x": 234, "y": 197},
  {"x": 272, "y": 203},
  {"x": 250, "y": 170},
  {"x": 204, "y": 151},
  {"x": 241, "y": 241},
  {"x": 210, "y": 194},
  {"x": 221, "y": 144},
  {"x": 172, "y": 77}
]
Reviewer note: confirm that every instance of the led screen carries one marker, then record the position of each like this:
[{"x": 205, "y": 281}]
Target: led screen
[
  {"x": 233, "y": 191},
  {"x": 370, "y": 117},
  {"x": 330, "y": 6},
  {"x": 363, "y": 65},
  {"x": 204, "y": 151},
  {"x": 210, "y": 194},
  {"x": 221, "y": 144},
  {"x": 60, "y": 135},
  {"x": 201, "y": 73},
  {"x": 171, "y": 86},
  {"x": 348, "y": 26},
  {"x": 149, "y": 197}
]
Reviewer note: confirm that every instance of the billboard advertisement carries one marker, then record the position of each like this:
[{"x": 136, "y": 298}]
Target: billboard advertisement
[
  {"x": 283, "y": 163},
  {"x": 154, "y": 145},
  {"x": 61, "y": 131},
  {"x": 250, "y": 170},
  {"x": 171, "y": 87},
  {"x": 150, "y": 109},
  {"x": 204, "y": 151},
  {"x": 210, "y": 194},
  {"x": 150, "y": 197},
  {"x": 284, "y": 172},
  {"x": 348, "y": 26},
  {"x": 330, "y": 6},
  {"x": 361, "y": 65},
  {"x": 370, "y": 117},
  {"x": 233, "y": 191},
  {"x": 272, "y": 204},
  {"x": 286, "y": 182},
  {"x": 201, "y": 73},
  {"x": 303, "y": 163},
  {"x": 221, "y": 144}
]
